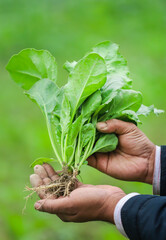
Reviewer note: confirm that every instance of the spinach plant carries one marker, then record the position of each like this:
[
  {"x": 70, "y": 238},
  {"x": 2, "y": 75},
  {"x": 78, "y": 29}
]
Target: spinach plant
[{"x": 99, "y": 88}]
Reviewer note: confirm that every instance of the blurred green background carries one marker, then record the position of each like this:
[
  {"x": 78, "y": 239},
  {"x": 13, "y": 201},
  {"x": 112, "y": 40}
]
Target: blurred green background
[{"x": 68, "y": 29}]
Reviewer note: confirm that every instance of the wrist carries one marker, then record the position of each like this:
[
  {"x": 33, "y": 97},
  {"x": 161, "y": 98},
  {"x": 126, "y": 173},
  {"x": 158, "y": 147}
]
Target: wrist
[
  {"x": 151, "y": 163},
  {"x": 110, "y": 204}
]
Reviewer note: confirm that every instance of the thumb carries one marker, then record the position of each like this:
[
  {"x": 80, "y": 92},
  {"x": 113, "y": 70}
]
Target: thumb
[
  {"x": 115, "y": 126},
  {"x": 51, "y": 205}
]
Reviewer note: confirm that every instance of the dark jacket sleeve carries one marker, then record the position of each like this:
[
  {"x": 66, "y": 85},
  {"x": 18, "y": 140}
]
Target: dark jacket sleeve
[
  {"x": 163, "y": 172},
  {"x": 144, "y": 217}
]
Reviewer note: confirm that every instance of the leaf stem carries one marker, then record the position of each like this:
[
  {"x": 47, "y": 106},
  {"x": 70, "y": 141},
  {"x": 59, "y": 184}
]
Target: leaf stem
[
  {"x": 52, "y": 141},
  {"x": 78, "y": 151},
  {"x": 87, "y": 152},
  {"x": 65, "y": 160}
]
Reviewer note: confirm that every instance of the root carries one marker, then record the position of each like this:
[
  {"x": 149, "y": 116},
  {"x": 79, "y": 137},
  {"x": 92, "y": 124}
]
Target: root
[{"x": 61, "y": 187}]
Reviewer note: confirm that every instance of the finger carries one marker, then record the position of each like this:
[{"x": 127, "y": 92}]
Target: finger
[
  {"x": 48, "y": 195},
  {"x": 36, "y": 181},
  {"x": 115, "y": 126},
  {"x": 50, "y": 171},
  {"x": 53, "y": 206},
  {"x": 92, "y": 161},
  {"x": 99, "y": 161},
  {"x": 47, "y": 181},
  {"x": 39, "y": 170}
]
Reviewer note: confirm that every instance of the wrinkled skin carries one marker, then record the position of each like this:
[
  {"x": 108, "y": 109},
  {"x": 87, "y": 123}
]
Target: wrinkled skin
[
  {"x": 133, "y": 160},
  {"x": 85, "y": 203}
]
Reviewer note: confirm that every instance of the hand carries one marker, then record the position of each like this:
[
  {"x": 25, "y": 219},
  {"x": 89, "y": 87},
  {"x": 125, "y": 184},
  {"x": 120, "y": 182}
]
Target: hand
[
  {"x": 133, "y": 160},
  {"x": 85, "y": 203}
]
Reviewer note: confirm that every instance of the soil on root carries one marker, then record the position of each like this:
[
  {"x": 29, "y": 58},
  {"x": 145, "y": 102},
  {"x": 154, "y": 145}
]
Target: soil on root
[{"x": 61, "y": 187}]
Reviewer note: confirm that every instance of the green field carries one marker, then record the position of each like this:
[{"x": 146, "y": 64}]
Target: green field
[{"x": 68, "y": 29}]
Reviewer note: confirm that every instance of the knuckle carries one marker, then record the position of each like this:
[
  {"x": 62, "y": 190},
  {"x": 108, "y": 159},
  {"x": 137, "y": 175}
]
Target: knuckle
[
  {"x": 112, "y": 122},
  {"x": 132, "y": 126}
]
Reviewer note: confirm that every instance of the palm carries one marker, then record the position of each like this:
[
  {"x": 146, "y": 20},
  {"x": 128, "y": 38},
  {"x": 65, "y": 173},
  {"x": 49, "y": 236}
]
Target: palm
[
  {"x": 85, "y": 203},
  {"x": 86, "y": 199}
]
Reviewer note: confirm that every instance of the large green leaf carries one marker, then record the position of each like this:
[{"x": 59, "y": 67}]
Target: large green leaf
[
  {"x": 106, "y": 143},
  {"x": 45, "y": 94},
  {"x": 118, "y": 73},
  {"x": 87, "y": 77},
  {"x": 124, "y": 100},
  {"x": 31, "y": 65}
]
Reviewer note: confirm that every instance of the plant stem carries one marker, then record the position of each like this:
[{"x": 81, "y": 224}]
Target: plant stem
[
  {"x": 62, "y": 149},
  {"x": 87, "y": 152},
  {"x": 52, "y": 140},
  {"x": 65, "y": 160},
  {"x": 85, "y": 155},
  {"x": 78, "y": 151}
]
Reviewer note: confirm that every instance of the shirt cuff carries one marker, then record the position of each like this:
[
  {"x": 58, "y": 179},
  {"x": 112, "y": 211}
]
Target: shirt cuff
[
  {"x": 117, "y": 213},
  {"x": 157, "y": 172}
]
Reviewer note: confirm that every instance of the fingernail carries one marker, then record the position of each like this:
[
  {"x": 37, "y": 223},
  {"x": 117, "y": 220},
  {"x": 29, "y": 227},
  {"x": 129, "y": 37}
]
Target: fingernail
[
  {"x": 37, "y": 205},
  {"x": 101, "y": 126}
]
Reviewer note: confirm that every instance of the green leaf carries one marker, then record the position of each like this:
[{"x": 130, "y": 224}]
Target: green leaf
[
  {"x": 106, "y": 143},
  {"x": 58, "y": 107},
  {"x": 90, "y": 105},
  {"x": 87, "y": 77},
  {"x": 104, "y": 107},
  {"x": 118, "y": 72},
  {"x": 87, "y": 132},
  {"x": 44, "y": 92},
  {"x": 74, "y": 130},
  {"x": 127, "y": 116},
  {"x": 144, "y": 110},
  {"x": 31, "y": 65},
  {"x": 40, "y": 161},
  {"x": 124, "y": 100},
  {"x": 69, "y": 153}
]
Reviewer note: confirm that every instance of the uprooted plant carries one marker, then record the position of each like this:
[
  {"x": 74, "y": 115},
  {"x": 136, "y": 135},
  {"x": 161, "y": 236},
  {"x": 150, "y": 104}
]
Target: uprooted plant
[{"x": 99, "y": 88}]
